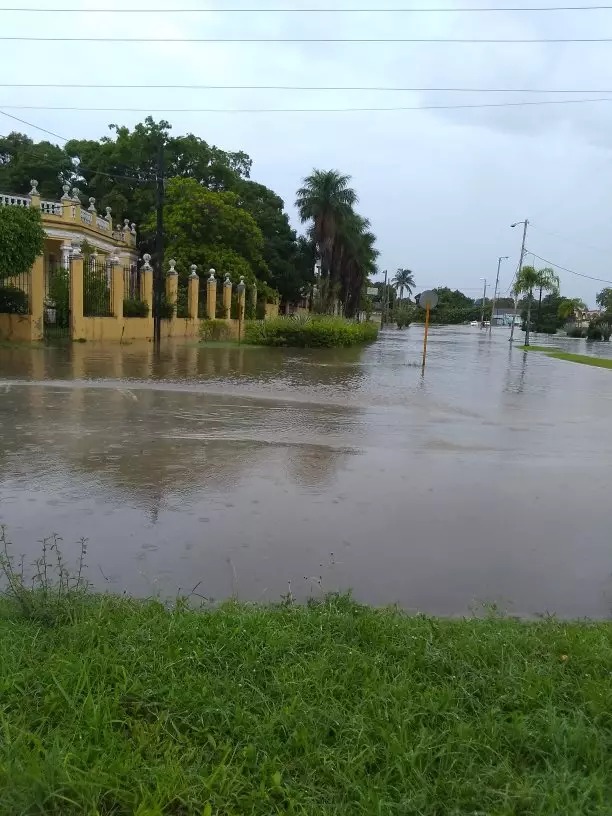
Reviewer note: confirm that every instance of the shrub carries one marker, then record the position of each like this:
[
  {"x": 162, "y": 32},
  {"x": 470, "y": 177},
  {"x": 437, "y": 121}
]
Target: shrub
[
  {"x": 21, "y": 239},
  {"x": 310, "y": 332},
  {"x": 166, "y": 308},
  {"x": 598, "y": 331},
  {"x": 132, "y": 307},
  {"x": 58, "y": 297},
  {"x": 13, "y": 300},
  {"x": 576, "y": 331},
  {"x": 403, "y": 317},
  {"x": 215, "y": 330}
]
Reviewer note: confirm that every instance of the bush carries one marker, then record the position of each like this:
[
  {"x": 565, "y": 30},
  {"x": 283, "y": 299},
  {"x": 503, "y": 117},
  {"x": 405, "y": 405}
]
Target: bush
[
  {"x": 13, "y": 300},
  {"x": 576, "y": 331},
  {"x": 132, "y": 307},
  {"x": 166, "y": 308},
  {"x": 58, "y": 297},
  {"x": 310, "y": 332},
  {"x": 21, "y": 239},
  {"x": 215, "y": 330},
  {"x": 598, "y": 331},
  {"x": 403, "y": 317}
]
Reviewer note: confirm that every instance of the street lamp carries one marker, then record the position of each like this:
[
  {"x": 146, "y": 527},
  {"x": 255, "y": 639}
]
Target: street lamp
[
  {"x": 518, "y": 269},
  {"x": 499, "y": 260}
]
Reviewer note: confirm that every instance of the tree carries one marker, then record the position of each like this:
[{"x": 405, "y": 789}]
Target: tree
[
  {"x": 355, "y": 257},
  {"x": 568, "y": 307},
  {"x": 526, "y": 280},
  {"x": 21, "y": 240},
  {"x": 326, "y": 200},
  {"x": 404, "y": 279},
  {"x": 210, "y": 229},
  {"x": 604, "y": 299},
  {"x": 547, "y": 280},
  {"x": 21, "y": 160}
]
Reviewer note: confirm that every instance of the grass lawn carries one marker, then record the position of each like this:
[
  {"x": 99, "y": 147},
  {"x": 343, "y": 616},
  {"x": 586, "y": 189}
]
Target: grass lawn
[
  {"x": 558, "y": 354},
  {"x": 127, "y": 707}
]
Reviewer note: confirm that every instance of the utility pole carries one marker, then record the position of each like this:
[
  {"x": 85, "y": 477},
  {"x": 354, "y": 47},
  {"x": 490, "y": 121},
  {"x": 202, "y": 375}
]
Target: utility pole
[
  {"x": 384, "y": 303},
  {"x": 518, "y": 271},
  {"x": 499, "y": 260},
  {"x": 159, "y": 247},
  {"x": 484, "y": 297}
]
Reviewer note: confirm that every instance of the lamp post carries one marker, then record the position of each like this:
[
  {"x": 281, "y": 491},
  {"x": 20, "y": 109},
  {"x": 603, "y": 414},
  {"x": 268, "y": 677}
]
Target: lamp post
[
  {"x": 499, "y": 260},
  {"x": 518, "y": 270}
]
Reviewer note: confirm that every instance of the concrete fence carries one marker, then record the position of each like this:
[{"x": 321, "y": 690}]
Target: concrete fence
[{"x": 119, "y": 285}]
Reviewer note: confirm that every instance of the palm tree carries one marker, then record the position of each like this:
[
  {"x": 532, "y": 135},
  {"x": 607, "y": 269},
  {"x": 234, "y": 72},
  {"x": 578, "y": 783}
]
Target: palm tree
[
  {"x": 549, "y": 281},
  {"x": 404, "y": 279},
  {"x": 526, "y": 280},
  {"x": 356, "y": 257},
  {"x": 326, "y": 199},
  {"x": 569, "y": 306}
]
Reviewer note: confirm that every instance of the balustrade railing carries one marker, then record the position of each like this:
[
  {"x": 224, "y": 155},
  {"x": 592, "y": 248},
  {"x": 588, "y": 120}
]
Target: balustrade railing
[
  {"x": 7, "y": 200},
  {"x": 86, "y": 217},
  {"x": 51, "y": 207}
]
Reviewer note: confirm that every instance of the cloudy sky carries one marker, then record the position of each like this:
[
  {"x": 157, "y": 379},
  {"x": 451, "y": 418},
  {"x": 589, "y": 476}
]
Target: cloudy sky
[{"x": 440, "y": 186}]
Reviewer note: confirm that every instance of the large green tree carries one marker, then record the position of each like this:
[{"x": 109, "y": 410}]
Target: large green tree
[
  {"x": 22, "y": 160},
  {"x": 604, "y": 299},
  {"x": 404, "y": 280},
  {"x": 325, "y": 201},
  {"x": 211, "y": 229},
  {"x": 21, "y": 240}
]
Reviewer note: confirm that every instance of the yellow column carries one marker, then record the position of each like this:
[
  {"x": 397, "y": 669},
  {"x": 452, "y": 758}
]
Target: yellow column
[
  {"x": 227, "y": 297},
  {"x": 211, "y": 296},
  {"x": 37, "y": 297},
  {"x": 172, "y": 285},
  {"x": 77, "y": 329},
  {"x": 117, "y": 287},
  {"x": 193, "y": 293},
  {"x": 146, "y": 282}
]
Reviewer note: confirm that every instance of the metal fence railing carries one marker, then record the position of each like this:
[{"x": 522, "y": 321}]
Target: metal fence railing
[
  {"x": 15, "y": 294},
  {"x": 97, "y": 289}
]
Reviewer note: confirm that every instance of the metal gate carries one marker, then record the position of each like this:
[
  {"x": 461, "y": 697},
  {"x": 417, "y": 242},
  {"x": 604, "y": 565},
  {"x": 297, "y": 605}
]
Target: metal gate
[{"x": 56, "y": 314}]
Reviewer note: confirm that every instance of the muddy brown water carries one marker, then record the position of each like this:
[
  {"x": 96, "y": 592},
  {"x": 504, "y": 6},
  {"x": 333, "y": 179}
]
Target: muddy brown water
[{"x": 249, "y": 471}]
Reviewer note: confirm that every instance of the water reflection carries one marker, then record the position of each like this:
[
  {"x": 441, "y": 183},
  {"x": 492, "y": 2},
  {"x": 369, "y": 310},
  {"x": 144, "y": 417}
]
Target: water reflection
[{"x": 485, "y": 480}]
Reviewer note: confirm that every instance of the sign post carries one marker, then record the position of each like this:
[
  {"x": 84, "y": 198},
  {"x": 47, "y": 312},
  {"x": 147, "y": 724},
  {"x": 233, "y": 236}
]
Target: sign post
[{"x": 427, "y": 300}]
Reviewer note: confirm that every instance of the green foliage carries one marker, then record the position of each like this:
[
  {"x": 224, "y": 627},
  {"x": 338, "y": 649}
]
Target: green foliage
[
  {"x": 576, "y": 331},
  {"x": 215, "y": 330},
  {"x": 96, "y": 293},
  {"x": 21, "y": 239},
  {"x": 167, "y": 310},
  {"x": 568, "y": 307},
  {"x": 343, "y": 238},
  {"x": 59, "y": 297},
  {"x": 403, "y": 316},
  {"x": 604, "y": 299},
  {"x": 13, "y": 300},
  {"x": 310, "y": 332},
  {"x": 211, "y": 230},
  {"x": 599, "y": 329},
  {"x": 21, "y": 160},
  {"x": 323, "y": 709},
  {"x": 134, "y": 307},
  {"x": 404, "y": 281}
]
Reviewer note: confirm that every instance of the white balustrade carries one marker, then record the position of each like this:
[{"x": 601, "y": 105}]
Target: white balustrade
[
  {"x": 86, "y": 217},
  {"x": 51, "y": 207},
  {"x": 102, "y": 224},
  {"x": 7, "y": 200}
]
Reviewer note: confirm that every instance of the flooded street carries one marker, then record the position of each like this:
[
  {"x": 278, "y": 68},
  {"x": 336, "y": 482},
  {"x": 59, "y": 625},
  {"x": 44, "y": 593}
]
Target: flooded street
[{"x": 252, "y": 471}]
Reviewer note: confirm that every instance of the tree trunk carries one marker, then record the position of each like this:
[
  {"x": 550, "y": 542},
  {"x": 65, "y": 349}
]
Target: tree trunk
[
  {"x": 529, "y": 299},
  {"x": 539, "y": 308}
]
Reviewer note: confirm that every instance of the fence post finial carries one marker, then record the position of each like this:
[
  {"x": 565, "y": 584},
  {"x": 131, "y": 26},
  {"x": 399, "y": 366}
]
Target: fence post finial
[
  {"x": 146, "y": 258},
  {"x": 212, "y": 275},
  {"x": 172, "y": 270},
  {"x": 66, "y": 189},
  {"x": 34, "y": 191}
]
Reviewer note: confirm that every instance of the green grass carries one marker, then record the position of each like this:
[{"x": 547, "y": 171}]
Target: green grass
[
  {"x": 126, "y": 707},
  {"x": 558, "y": 354}
]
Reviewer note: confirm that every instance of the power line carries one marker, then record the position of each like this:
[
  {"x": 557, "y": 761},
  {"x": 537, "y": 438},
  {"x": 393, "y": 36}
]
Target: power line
[
  {"x": 442, "y": 10},
  {"x": 79, "y": 167},
  {"x": 272, "y": 40},
  {"x": 565, "y": 269},
  {"x": 393, "y": 88},
  {"x": 301, "y": 110}
]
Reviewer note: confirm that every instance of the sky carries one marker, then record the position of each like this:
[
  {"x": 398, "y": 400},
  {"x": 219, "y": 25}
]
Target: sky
[{"x": 441, "y": 187}]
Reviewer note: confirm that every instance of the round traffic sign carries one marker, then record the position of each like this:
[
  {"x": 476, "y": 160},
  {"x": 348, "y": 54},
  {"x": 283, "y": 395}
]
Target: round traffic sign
[{"x": 428, "y": 298}]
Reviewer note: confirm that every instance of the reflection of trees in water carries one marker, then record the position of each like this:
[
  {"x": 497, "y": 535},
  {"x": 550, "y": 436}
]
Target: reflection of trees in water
[{"x": 154, "y": 447}]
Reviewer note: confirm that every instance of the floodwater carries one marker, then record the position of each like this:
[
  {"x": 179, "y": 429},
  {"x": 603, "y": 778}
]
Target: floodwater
[{"x": 256, "y": 472}]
